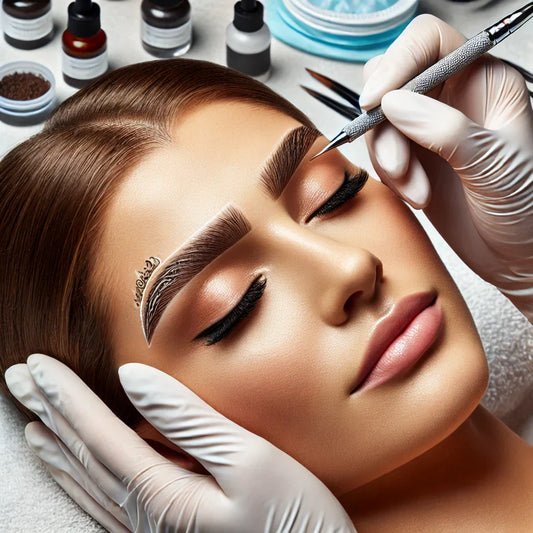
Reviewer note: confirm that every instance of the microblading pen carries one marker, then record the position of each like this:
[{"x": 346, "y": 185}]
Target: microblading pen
[{"x": 449, "y": 65}]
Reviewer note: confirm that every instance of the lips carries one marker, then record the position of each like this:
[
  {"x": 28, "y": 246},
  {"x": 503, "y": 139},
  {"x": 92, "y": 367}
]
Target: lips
[{"x": 389, "y": 328}]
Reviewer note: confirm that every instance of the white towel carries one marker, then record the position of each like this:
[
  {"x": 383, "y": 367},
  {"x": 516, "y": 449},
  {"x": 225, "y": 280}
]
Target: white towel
[{"x": 30, "y": 501}]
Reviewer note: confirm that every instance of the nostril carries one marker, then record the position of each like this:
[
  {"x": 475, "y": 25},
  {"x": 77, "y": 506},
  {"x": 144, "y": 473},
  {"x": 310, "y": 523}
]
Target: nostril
[
  {"x": 350, "y": 303},
  {"x": 379, "y": 272}
]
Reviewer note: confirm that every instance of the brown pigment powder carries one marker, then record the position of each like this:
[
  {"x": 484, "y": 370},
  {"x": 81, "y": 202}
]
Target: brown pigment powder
[{"x": 23, "y": 86}]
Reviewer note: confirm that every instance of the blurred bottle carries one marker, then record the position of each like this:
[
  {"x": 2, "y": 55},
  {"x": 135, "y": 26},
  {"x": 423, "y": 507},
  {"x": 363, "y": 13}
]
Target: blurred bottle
[
  {"x": 166, "y": 28},
  {"x": 27, "y": 24}
]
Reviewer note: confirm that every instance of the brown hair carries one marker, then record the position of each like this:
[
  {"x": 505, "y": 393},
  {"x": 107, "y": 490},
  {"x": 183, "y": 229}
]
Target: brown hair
[{"x": 54, "y": 189}]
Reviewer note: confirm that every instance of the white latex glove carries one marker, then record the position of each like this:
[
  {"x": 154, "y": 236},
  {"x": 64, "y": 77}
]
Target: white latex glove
[
  {"x": 127, "y": 486},
  {"x": 474, "y": 172}
]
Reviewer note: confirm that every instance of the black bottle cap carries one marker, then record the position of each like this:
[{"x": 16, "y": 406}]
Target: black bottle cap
[
  {"x": 248, "y": 15},
  {"x": 168, "y": 3},
  {"x": 83, "y": 18}
]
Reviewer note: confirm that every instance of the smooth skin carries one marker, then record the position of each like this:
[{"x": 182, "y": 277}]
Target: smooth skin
[{"x": 285, "y": 372}]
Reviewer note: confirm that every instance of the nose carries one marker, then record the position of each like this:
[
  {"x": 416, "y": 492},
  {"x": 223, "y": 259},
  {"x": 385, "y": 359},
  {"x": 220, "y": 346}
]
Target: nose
[{"x": 337, "y": 277}]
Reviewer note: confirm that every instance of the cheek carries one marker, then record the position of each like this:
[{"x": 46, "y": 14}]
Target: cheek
[
  {"x": 378, "y": 221},
  {"x": 278, "y": 395},
  {"x": 282, "y": 387},
  {"x": 385, "y": 226}
]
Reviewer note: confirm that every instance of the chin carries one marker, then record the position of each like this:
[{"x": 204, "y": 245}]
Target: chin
[
  {"x": 461, "y": 386},
  {"x": 419, "y": 410},
  {"x": 446, "y": 386}
]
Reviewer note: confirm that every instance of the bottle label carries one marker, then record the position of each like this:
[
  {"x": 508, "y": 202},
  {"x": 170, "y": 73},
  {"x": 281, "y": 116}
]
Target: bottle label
[
  {"x": 251, "y": 64},
  {"x": 84, "y": 68},
  {"x": 166, "y": 37},
  {"x": 27, "y": 29}
]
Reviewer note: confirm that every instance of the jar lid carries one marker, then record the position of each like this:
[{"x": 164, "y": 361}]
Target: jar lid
[
  {"x": 34, "y": 106},
  {"x": 356, "y": 17},
  {"x": 352, "y": 30}
]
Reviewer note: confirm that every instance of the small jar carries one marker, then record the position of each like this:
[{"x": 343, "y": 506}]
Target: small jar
[
  {"x": 25, "y": 112},
  {"x": 166, "y": 27},
  {"x": 27, "y": 24}
]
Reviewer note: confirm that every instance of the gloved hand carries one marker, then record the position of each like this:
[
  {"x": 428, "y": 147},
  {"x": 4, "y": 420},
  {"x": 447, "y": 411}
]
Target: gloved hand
[
  {"x": 464, "y": 153},
  {"x": 127, "y": 486}
]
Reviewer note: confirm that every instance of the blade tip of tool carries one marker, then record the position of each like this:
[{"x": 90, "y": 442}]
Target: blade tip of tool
[{"x": 328, "y": 147}]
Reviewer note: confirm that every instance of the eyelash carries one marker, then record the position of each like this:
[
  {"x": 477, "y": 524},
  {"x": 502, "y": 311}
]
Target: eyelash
[
  {"x": 222, "y": 327},
  {"x": 351, "y": 185}
]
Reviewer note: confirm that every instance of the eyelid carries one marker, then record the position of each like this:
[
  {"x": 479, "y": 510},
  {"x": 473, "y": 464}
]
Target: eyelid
[
  {"x": 354, "y": 179},
  {"x": 246, "y": 304}
]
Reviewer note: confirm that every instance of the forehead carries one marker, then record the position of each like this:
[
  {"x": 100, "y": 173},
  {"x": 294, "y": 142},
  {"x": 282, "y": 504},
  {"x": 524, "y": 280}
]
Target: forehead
[{"x": 214, "y": 158}]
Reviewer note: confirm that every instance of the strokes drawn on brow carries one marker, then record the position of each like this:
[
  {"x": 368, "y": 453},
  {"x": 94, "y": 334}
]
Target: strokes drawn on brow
[
  {"x": 220, "y": 234},
  {"x": 143, "y": 276}
]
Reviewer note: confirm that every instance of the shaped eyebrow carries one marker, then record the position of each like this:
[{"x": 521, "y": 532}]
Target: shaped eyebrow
[
  {"x": 282, "y": 163},
  {"x": 223, "y": 231}
]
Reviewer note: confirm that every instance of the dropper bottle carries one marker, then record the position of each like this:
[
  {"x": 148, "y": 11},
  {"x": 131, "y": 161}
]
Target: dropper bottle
[
  {"x": 166, "y": 29},
  {"x": 248, "y": 40},
  {"x": 84, "y": 44}
]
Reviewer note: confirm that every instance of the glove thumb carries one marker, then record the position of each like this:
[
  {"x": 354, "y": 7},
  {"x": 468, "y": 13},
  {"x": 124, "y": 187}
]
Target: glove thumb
[{"x": 222, "y": 447}]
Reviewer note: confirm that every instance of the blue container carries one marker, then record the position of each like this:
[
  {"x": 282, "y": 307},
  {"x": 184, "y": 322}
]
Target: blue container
[{"x": 350, "y": 30}]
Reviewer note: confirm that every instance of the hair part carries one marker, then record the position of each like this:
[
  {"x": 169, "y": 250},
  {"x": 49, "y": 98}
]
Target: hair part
[{"x": 55, "y": 189}]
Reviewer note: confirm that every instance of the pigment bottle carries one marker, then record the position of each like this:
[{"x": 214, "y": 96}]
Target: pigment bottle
[
  {"x": 248, "y": 40},
  {"x": 166, "y": 28},
  {"x": 84, "y": 44},
  {"x": 27, "y": 24}
]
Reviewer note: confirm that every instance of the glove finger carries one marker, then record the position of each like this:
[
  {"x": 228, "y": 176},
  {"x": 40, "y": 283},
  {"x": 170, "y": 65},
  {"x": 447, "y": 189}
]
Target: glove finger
[
  {"x": 437, "y": 127},
  {"x": 53, "y": 452},
  {"x": 193, "y": 425},
  {"x": 90, "y": 506},
  {"x": 390, "y": 150},
  {"x": 236, "y": 457},
  {"x": 370, "y": 66},
  {"x": 24, "y": 388},
  {"x": 415, "y": 185},
  {"x": 122, "y": 451},
  {"x": 390, "y": 147},
  {"x": 425, "y": 40}
]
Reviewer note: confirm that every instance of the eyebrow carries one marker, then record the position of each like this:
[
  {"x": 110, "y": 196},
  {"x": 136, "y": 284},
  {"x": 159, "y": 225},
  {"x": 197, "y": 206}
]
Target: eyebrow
[{"x": 223, "y": 231}]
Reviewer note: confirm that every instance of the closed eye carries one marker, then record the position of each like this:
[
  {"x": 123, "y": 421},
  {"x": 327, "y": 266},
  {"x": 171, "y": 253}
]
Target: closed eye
[
  {"x": 351, "y": 185},
  {"x": 223, "y": 327}
]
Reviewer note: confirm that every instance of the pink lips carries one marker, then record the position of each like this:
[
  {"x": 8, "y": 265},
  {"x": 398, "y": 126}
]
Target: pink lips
[{"x": 400, "y": 339}]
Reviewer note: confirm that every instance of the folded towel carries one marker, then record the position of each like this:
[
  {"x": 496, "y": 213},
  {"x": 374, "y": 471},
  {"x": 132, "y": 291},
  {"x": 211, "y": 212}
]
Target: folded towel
[{"x": 30, "y": 500}]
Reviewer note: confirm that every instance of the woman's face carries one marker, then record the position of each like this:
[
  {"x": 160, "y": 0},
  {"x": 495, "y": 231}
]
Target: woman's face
[{"x": 286, "y": 371}]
